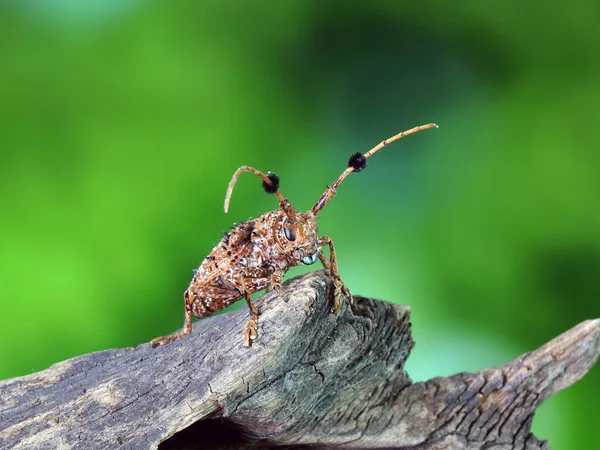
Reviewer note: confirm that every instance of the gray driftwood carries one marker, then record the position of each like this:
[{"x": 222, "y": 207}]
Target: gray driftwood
[{"x": 312, "y": 378}]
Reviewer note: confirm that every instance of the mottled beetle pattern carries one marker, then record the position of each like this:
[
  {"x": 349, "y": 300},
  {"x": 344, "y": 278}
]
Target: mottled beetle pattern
[{"x": 256, "y": 254}]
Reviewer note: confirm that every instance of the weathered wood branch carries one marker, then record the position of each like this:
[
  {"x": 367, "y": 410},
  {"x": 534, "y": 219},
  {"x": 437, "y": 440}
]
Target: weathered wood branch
[{"x": 312, "y": 378}]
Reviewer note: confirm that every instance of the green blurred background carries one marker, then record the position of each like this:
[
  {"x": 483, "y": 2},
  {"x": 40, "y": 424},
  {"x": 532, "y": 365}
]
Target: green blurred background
[{"x": 121, "y": 123}]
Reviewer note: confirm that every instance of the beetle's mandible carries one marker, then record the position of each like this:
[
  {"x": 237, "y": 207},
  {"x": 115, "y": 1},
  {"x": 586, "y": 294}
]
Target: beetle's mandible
[{"x": 256, "y": 254}]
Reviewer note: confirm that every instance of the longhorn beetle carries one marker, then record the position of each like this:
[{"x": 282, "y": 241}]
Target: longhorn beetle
[{"x": 256, "y": 254}]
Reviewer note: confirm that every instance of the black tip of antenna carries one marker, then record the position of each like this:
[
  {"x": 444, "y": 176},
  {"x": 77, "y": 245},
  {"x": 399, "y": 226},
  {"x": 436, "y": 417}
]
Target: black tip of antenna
[
  {"x": 271, "y": 188},
  {"x": 357, "y": 161}
]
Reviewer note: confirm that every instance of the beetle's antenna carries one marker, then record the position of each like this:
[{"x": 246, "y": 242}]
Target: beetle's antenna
[
  {"x": 358, "y": 162},
  {"x": 270, "y": 185}
]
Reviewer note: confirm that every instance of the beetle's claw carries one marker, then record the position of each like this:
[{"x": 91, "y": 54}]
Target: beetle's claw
[
  {"x": 164, "y": 340},
  {"x": 251, "y": 330},
  {"x": 340, "y": 291}
]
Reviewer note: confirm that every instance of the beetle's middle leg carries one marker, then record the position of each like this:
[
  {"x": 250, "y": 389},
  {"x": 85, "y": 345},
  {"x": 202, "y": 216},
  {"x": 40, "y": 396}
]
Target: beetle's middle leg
[
  {"x": 276, "y": 280},
  {"x": 331, "y": 265},
  {"x": 251, "y": 329},
  {"x": 245, "y": 285}
]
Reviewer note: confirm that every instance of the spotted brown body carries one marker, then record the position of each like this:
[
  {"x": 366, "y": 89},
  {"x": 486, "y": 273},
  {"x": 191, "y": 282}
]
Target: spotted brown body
[
  {"x": 256, "y": 258},
  {"x": 256, "y": 254}
]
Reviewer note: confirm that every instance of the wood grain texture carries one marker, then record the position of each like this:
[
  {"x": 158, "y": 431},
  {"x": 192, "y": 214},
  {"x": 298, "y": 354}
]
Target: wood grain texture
[{"x": 311, "y": 379}]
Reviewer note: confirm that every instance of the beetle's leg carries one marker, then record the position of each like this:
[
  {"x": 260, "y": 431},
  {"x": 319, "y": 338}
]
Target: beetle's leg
[
  {"x": 276, "y": 280},
  {"x": 239, "y": 285},
  {"x": 324, "y": 260},
  {"x": 331, "y": 265},
  {"x": 187, "y": 324},
  {"x": 251, "y": 329}
]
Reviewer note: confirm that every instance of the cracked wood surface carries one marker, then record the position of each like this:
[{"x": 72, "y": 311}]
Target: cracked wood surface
[{"x": 311, "y": 378}]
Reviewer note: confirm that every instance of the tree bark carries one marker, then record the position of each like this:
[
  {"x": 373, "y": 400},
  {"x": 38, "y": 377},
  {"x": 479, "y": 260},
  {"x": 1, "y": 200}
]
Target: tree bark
[{"x": 310, "y": 379}]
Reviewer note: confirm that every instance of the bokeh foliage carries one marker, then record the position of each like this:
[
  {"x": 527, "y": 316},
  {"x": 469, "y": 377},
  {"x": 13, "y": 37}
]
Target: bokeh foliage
[{"x": 122, "y": 121}]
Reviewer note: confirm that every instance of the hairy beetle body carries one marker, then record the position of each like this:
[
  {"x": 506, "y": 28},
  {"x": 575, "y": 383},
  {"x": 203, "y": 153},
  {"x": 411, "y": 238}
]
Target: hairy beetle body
[{"x": 256, "y": 254}]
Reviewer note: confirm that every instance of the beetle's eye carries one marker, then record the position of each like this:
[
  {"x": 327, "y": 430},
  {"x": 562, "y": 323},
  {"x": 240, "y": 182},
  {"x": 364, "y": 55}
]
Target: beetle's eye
[{"x": 289, "y": 233}]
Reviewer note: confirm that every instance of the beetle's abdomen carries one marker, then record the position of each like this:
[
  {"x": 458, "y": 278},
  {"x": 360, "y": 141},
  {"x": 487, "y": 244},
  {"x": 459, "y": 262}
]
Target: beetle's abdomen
[{"x": 206, "y": 300}]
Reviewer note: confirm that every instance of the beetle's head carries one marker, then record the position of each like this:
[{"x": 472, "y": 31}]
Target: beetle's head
[{"x": 300, "y": 237}]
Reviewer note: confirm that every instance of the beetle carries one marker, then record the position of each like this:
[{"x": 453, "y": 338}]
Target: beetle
[{"x": 256, "y": 254}]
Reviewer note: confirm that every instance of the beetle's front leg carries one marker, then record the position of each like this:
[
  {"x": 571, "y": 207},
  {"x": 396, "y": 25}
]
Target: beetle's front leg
[
  {"x": 276, "y": 280},
  {"x": 331, "y": 265}
]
